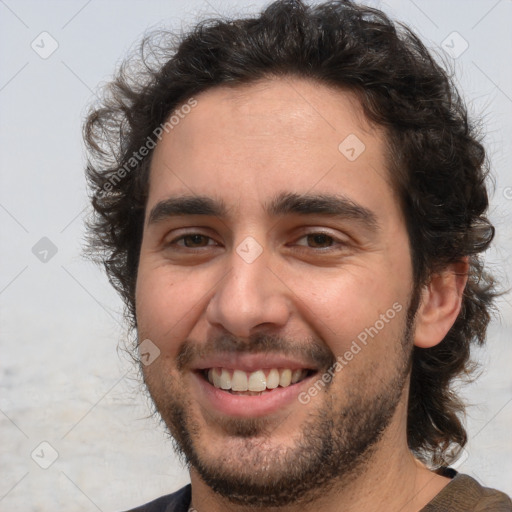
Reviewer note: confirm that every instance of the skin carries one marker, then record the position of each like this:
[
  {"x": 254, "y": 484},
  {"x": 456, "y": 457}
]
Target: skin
[{"x": 244, "y": 145}]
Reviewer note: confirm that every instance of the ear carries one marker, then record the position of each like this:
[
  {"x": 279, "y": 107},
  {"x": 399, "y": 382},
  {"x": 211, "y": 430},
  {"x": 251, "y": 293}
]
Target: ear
[{"x": 440, "y": 304}]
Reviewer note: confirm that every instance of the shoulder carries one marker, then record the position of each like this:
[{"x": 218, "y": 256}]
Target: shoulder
[
  {"x": 465, "y": 494},
  {"x": 178, "y": 501}
]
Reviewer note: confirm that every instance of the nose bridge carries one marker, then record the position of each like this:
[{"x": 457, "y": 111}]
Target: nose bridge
[{"x": 249, "y": 295}]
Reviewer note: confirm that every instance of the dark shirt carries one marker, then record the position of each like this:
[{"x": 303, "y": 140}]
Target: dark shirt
[{"x": 462, "y": 494}]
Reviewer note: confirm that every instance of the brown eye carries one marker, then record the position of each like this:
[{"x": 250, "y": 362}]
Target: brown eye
[
  {"x": 320, "y": 239},
  {"x": 191, "y": 241},
  {"x": 195, "y": 240}
]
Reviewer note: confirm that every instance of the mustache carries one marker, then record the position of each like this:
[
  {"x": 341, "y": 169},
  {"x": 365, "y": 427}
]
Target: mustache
[{"x": 310, "y": 350}]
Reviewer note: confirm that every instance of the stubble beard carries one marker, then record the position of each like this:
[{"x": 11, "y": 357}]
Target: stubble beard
[{"x": 334, "y": 446}]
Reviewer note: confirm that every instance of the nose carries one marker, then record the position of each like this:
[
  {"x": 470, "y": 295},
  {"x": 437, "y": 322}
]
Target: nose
[{"x": 250, "y": 297}]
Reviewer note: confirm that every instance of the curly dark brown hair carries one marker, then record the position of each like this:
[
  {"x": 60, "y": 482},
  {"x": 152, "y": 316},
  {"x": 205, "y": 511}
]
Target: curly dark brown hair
[{"x": 437, "y": 163}]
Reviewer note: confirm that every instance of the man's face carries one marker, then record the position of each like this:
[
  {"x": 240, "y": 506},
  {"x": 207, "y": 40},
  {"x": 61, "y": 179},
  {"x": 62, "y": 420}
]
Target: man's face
[{"x": 272, "y": 284}]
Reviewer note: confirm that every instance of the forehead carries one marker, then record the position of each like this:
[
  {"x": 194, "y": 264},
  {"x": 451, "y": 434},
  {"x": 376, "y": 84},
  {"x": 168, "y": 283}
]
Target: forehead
[{"x": 277, "y": 135}]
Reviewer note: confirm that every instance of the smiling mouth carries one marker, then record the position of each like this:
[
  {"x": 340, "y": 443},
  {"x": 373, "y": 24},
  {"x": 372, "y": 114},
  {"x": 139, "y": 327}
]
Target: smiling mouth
[{"x": 259, "y": 382}]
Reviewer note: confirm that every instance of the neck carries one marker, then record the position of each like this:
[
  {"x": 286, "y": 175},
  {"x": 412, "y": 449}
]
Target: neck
[{"x": 390, "y": 477}]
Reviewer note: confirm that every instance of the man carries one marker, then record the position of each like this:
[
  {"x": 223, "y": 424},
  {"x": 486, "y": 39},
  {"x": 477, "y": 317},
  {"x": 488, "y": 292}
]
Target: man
[{"x": 292, "y": 207}]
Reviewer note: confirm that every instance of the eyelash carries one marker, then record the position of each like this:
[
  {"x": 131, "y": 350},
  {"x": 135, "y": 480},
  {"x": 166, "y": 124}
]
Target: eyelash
[{"x": 312, "y": 234}]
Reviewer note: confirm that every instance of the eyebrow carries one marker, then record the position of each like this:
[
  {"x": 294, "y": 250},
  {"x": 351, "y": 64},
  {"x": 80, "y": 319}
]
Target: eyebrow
[
  {"x": 187, "y": 205},
  {"x": 283, "y": 204},
  {"x": 322, "y": 204}
]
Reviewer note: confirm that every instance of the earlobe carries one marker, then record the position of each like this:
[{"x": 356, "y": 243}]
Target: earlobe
[{"x": 440, "y": 304}]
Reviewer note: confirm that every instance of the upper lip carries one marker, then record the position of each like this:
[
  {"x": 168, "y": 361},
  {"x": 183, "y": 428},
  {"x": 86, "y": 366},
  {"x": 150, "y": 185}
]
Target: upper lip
[{"x": 251, "y": 362}]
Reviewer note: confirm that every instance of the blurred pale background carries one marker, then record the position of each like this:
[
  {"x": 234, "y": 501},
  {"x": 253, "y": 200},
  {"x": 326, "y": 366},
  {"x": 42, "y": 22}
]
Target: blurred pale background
[{"x": 62, "y": 380}]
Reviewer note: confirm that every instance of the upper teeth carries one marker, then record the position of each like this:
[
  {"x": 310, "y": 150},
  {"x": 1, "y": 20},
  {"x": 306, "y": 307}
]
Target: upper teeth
[{"x": 238, "y": 380}]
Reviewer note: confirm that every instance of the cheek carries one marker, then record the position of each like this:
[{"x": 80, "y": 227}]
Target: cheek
[
  {"x": 355, "y": 303},
  {"x": 167, "y": 304}
]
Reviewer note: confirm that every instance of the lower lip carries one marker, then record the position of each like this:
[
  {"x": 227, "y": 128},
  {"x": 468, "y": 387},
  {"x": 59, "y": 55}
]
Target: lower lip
[{"x": 246, "y": 406}]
